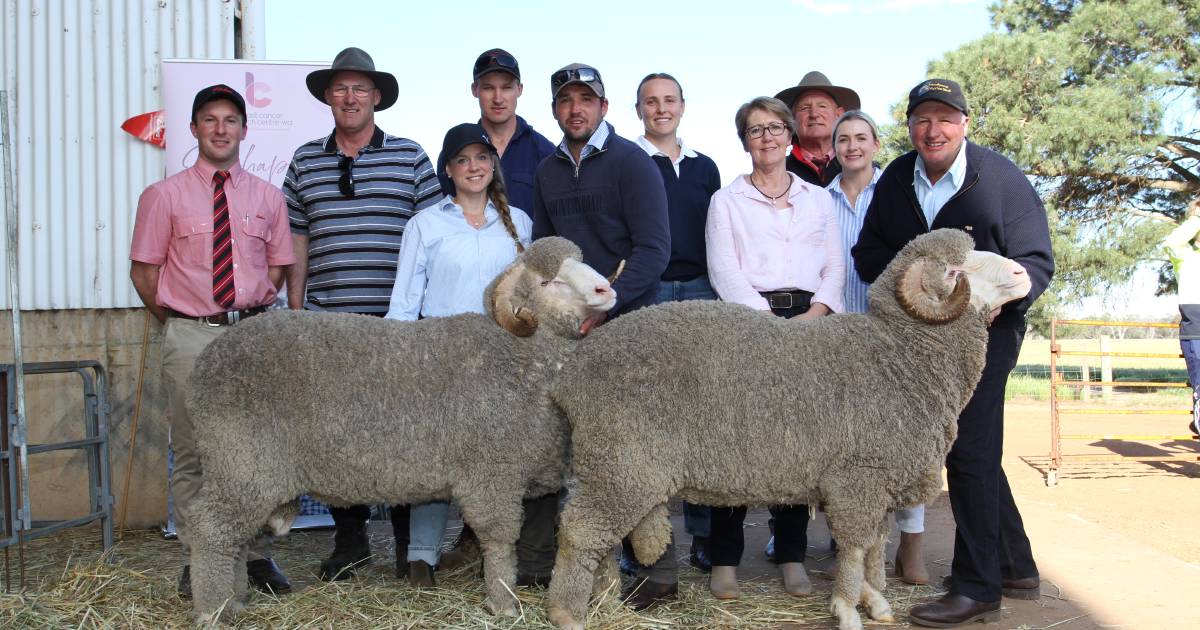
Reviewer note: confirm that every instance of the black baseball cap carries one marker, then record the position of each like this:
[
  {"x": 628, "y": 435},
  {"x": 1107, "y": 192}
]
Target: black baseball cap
[
  {"x": 216, "y": 92},
  {"x": 941, "y": 90},
  {"x": 576, "y": 73},
  {"x": 496, "y": 60},
  {"x": 458, "y": 137}
]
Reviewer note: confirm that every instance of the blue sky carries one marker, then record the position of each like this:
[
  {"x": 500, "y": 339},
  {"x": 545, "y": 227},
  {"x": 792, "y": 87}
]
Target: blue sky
[{"x": 723, "y": 52}]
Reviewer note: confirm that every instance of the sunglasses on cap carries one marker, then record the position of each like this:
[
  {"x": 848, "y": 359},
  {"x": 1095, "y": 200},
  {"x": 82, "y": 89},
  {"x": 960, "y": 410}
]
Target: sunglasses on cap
[
  {"x": 495, "y": 60},
  {"x": 573, "y": 75},
  {"x": 346, "y": 181}
]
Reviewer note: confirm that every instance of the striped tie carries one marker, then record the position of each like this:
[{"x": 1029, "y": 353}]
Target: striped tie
[{"x": 222, "y": 244}]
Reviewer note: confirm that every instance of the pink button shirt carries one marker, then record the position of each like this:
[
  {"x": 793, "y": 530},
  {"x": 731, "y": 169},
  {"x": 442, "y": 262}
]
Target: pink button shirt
[
  {"x": 174, "y": 229},
  {"x": 753, "y": 247}
]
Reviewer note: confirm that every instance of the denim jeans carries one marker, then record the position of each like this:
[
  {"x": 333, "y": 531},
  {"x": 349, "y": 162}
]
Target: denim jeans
[
  {"x": 426, "y": 529},
  {"x": 697, "y": 288},
  {"x": 911, "y": 520}
]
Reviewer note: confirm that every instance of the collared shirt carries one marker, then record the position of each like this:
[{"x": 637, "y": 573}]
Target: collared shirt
[
  {"x": 754, "y": 246},
  {"x": 933, "y": 196},
  {"x": 445, "y": 264},
  {"x": 652, "y": 150},
  {"x": 595, "y": 143},
  {"x": 850, "y": 218},
  {"x": 174, "y": 229},
  {"x": 353, "y": 242}
]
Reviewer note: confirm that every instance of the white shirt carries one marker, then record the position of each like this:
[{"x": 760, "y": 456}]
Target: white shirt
[
  {"x": 445, "y": 264},
  {"x": 652, "y": 151},
  {"x": 933, "y": 196},
  {"x": 594, "y": 143}
]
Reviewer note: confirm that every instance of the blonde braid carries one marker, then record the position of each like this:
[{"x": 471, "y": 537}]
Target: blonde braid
[{"x": 498, "y": 193}]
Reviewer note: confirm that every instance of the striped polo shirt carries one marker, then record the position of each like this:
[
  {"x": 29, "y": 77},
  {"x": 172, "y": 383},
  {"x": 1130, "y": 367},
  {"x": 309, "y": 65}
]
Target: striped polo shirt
[{"x": 353, "y": 242}]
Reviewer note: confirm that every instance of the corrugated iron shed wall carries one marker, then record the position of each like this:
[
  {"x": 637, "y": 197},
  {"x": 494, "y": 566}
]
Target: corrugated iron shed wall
[{"x": 75, "y": 70}]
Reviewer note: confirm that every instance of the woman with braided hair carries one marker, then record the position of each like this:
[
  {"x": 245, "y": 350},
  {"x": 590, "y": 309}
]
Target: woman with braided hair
[{"x": 451, "y": 251}]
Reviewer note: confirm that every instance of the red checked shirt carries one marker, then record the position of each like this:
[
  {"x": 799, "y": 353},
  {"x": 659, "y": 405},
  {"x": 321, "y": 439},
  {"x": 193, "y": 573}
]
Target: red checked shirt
[{"x": 174, "y": 229}]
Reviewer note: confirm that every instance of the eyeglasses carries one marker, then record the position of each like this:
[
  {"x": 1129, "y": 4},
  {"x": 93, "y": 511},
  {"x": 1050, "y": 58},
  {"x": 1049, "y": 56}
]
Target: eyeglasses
[
  {"x": 346, "y": 181},
  {"x": 571, "y": 75},
  {"x": 361, "y": 91},
  {"x": 493, "y": 60},
  {"x": 775, "y": 129}
]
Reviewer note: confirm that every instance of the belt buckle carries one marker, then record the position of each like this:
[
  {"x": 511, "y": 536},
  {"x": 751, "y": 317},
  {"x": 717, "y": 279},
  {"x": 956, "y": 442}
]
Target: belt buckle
[
  {"x": 208, "y": 322},
  {"x": 778, "y": 304}
]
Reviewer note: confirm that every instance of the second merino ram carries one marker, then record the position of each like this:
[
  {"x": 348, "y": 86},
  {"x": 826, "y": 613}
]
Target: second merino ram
[{"x": 721, "y": 405}]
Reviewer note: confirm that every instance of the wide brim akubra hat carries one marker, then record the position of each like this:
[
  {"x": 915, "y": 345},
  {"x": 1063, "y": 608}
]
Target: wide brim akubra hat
[
  {"x": 356, "y": 60},
  {"x": 843, "y": 96}
]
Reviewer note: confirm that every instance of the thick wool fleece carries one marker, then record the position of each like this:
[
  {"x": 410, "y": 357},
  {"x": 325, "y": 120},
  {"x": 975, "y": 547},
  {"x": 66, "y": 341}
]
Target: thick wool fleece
[
  {"x": 357, "y": 410},
  {"x": 723, "y": 405}
]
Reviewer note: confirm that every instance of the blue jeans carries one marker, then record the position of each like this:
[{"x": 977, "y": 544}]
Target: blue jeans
[
  {"x": 697, "y": 288},
  {"x": 1191, "y": 356},
  {"x": 696, "y": 519},
  {"x": 426, "y": 528}
]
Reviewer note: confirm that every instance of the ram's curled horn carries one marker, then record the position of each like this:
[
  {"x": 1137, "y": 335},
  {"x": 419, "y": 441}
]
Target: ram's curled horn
[
  {"x": 616, "y": 274},
  {"x": 916, "y": 301},
  {"x": 519, "y": 321}
]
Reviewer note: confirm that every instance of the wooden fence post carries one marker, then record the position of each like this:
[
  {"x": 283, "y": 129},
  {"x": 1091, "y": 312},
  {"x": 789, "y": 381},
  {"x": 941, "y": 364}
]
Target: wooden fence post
[{"x": 1106, "y": 373}]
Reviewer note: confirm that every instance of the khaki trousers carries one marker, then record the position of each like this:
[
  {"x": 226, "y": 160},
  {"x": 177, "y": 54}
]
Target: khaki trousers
[{"x": 183, "y": 339}]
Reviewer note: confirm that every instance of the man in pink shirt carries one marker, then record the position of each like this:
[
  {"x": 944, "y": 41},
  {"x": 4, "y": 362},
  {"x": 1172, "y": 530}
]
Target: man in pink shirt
[{"x": 179, "y": 220}]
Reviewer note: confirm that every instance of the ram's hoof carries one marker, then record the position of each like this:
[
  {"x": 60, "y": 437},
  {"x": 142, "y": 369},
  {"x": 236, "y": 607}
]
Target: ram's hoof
[
  {"x": 563, "y": 619},
  {"x": 504, "y": 609}
]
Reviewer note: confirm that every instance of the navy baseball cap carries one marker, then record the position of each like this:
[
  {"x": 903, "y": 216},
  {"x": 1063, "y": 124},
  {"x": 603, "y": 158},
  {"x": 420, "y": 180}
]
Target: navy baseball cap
[
  {"x": 941, "y": 90},
  {"x": 217, "y": 92},
  {"x": 496, "y": 60}
]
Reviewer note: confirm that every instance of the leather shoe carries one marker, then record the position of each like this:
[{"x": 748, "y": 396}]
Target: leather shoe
[
  {"x": 1029, "y": 588},
  {"x": 464, "y": 551},
  {"x": 527, "y": 579},
  {"x": 699, "y": 557},
  {"x": 265, "y": 576},
  {"x": 420, "y": 574},
  {"x": 953, "y": 610},
  {"x": 646, "y": 594},
  {"x": 184, "y": 588}
]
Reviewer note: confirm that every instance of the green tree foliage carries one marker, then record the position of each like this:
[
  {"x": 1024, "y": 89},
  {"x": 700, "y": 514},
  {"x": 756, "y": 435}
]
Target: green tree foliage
[{"x": 1085, "y": 96}]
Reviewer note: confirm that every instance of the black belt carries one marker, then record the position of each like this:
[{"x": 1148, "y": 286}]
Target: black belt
[
  {"x": 220, "y": 319},
  {"x": 787, "y": 299}
]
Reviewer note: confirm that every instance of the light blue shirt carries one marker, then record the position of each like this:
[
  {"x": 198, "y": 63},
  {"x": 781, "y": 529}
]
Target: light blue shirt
[
  {"x": 445, "y": 264},
  {"x": 933, "y": 196},
  {"x": 595, "y": 143},
  {"x": 850, "y": 218}
]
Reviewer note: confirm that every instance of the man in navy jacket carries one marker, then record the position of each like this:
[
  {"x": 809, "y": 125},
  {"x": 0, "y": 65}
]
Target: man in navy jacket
[
  {"x": 948, "y": 182},
  {"x": 602, "y": 192},
  {"x": 497, "y": 84}
]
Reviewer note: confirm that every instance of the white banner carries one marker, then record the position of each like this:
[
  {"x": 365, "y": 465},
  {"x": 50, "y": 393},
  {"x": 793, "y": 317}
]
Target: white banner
[{"x": 280, "y": 113}]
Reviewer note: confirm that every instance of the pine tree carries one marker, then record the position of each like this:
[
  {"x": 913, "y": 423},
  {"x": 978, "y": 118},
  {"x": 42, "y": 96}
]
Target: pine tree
[{"x": 1094, "y": 100}]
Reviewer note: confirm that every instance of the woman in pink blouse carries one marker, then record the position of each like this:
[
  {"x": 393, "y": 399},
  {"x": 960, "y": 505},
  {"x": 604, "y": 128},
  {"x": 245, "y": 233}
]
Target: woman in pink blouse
[{"x": 774, "y": 245}]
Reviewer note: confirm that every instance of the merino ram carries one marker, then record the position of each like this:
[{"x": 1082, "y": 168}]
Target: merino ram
[
  {"x": 354, "y": 409},
  {"x": 724, "y": 406}
]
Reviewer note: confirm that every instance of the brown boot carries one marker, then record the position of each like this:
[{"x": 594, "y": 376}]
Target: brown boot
[
  {"x": 910, "y": 563},
  {"x": 465, "y": 550}
]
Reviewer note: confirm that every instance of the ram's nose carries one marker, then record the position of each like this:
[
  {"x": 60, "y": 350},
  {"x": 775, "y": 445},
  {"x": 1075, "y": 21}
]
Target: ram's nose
[{"x": 602, "y": 295}]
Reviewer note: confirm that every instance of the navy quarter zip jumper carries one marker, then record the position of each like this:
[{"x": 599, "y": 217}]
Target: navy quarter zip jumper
[
  {"x": 614, "y": 207},
  {"x": 996, "y": 205}
]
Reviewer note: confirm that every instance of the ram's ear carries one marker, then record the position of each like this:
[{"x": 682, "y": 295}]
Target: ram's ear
[
  {"x": 919, "y": 303},
  {"x": 517, "y": 320}
]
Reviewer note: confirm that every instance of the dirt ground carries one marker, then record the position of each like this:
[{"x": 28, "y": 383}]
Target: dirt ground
[{"x": 1116, "y": 542}]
